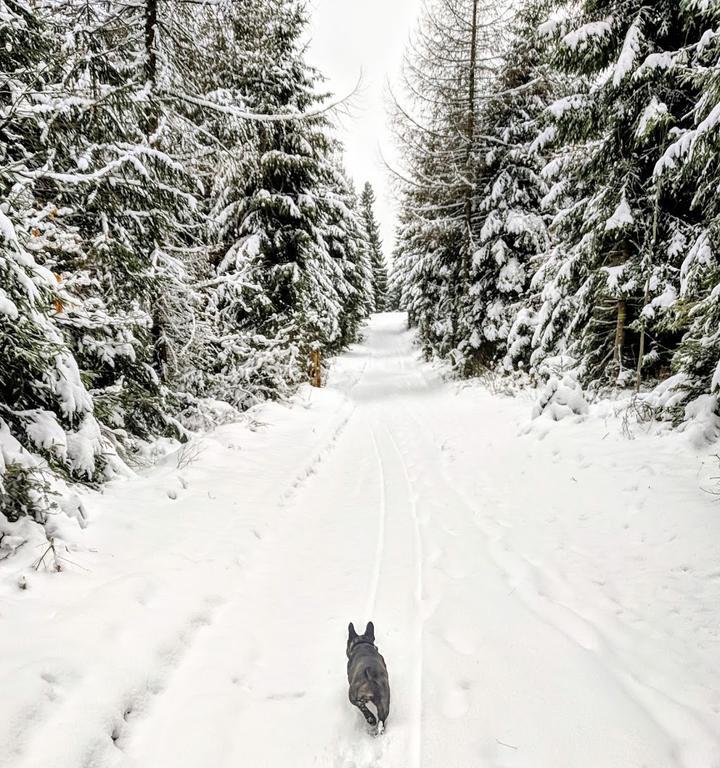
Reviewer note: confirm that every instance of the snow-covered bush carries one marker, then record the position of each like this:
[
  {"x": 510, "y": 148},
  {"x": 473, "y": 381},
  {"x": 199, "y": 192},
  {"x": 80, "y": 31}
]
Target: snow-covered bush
[{"x": 560, "y": 398}]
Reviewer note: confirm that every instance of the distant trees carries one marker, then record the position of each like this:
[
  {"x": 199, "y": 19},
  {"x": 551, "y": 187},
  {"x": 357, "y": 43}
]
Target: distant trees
[
  {"x": 573, "y": 227},
  {"x": 174, "y": 228},
  {"x": 447, "y": 70},
  {"x": 371, "y": 232}
]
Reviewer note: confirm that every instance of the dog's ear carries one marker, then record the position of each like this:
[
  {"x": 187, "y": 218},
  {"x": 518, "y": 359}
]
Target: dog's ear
[
  {"x": 352, "y": 634},
  {"x": 370, "y": 631}
]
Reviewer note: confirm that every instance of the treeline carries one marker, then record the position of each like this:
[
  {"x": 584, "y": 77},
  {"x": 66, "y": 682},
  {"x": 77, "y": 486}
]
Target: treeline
[
  {"x": 177, "y": 233},
  {"x": 560, "y": 202}
]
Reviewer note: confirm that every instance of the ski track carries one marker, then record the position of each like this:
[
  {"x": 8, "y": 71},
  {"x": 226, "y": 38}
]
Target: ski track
[
  {"x": 227, "y": 644},
  {"x": 382, "y": 512},
  {"x": 415, "y": 755}
]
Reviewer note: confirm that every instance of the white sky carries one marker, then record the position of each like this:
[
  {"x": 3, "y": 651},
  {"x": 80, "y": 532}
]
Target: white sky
[{"x": 350, "y": 36}]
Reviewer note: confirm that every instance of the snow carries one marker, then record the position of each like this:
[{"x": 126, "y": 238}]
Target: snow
[
  {"x": 7, "y": 306},
  {"x": 653, "y": 62},
  {"x": 561, "y": 398},
  {"x": 665, "y": 300},
  {"x": 587, "y": 33},
  {"x": 684, "y": 146},
  {"x": 43, "y": 429},
  {"x": 568, "y": 103},
  {"x": 703, "y": 422},
  {"x": 621, "y": 217},
  {"x": 544, "y": 593},
  {"x": 652, "y": 114},
  {"x": 629, "y": 53}
]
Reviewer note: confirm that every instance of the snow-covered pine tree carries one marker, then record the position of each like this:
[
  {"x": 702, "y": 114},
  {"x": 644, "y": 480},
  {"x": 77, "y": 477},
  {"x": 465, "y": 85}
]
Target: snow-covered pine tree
[
  {"x": 346, "y": 241},
  {"x": 620, "y": 238},
  {"x": 499, "y": 318},
  {"x": 279, "y": 287},
  {"x": 47, "y": 426},
  {"x": 116, "y": 208},
  {"x": 692, "y": 161},
  {"x": 374, "y": 245},
  {"x": 447, "y": 69}
]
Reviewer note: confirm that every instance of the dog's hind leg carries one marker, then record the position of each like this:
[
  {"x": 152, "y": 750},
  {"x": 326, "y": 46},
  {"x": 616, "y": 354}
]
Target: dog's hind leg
[{"x": 367, "y": 714}]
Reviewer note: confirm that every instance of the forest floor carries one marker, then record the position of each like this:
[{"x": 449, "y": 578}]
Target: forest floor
[{"x": 546, "y": 595}]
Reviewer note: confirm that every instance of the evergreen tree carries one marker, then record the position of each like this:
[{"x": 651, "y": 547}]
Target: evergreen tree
[
  {"x": 692, "y": 161},
  {"x": 116, "y": 209},
  {"x": 173, "y": 226},
  {"x": 621, "y": 238},
  {"x": 374, "y": 244},
  {"x": 46, "y": 414},
  {"x": 347, "y": 243},
  {"x": 447, "y": 71},
  {"x": 499, "y": 318},
  {"x": 280, "y": 288}
]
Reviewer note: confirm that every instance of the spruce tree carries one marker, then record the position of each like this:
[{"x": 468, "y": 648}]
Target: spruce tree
[
  {"x": 692, "y": 162},
  {"x": 279, "y": 287},
  {"x": 46, "y": 414},
  {"x": 346, "y": 241},
  {"x": 374, "y": 245},
  {"x": 120, "y": 208},
  {"x": 620, "y": 237},
  {"x": 499, "y": 319},
  {"x": 448, "y": 68}
]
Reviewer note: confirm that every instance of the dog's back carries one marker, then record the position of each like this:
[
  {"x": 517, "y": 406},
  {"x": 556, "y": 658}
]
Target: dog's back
[{"x": 367, "y": 675}]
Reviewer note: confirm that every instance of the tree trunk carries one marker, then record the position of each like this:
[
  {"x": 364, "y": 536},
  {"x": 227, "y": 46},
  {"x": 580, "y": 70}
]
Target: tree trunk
[
  {"x": 620, "y": 333},
  {"x": 151, "y": 20},
  {"x": 471, "y": 118},
  {"x": 646, "y": 299},
  {"x": 150, "y": 68}
]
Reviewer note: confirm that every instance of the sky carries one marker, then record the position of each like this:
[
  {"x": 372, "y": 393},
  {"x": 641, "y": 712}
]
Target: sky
[{"x": 350, "y": 37}]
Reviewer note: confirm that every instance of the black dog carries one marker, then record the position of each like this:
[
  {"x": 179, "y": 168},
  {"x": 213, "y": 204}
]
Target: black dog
[{"x": 367, "y": 675}]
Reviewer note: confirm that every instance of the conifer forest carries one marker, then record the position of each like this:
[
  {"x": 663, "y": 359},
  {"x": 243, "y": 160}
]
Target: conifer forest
[{"x": 359, "y": 383}]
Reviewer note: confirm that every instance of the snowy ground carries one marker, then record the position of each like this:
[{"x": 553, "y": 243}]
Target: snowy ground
[{"x": 544, "y": 598}]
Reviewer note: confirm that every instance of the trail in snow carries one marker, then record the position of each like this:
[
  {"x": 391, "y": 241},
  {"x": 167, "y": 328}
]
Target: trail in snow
[{"x": 543, "y": 599}]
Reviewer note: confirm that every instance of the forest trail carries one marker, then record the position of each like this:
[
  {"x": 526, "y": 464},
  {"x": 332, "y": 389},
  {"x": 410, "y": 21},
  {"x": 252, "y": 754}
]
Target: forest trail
[{"x": 537, "y": 600}]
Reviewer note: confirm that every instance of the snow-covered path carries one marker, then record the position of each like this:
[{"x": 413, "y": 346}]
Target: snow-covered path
[{"x": 542, "y": 600}]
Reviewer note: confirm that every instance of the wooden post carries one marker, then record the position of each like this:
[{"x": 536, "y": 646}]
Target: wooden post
[{"x": 315, "y": 368}]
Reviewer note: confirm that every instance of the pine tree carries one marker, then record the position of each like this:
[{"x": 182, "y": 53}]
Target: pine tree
[
  {"x": 46, "y": 414},
  {"x": 280, "y": 288},
  {"x": 611, "y": 280},
  {"x": 499, "y": 320},
  {"x": 374, "y": 244},
  {"x": 692, "y": 162},
  {"x": 116, "y": 209},
  {"x": 447, "y": 70}
]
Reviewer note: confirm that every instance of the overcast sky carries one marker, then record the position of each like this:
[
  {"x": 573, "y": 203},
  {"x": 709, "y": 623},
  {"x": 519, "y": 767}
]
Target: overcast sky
[{"x": 350, "y": 36}]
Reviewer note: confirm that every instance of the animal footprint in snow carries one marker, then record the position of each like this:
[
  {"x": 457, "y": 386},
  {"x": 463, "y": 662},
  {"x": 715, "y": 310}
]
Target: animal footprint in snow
[
  {"x": 456, "y": 701},
  {"x": 457, "y": 638}
]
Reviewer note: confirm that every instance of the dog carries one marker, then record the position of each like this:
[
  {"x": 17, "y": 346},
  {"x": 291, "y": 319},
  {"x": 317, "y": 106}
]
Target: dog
[{"x": 367, "y": 676}]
